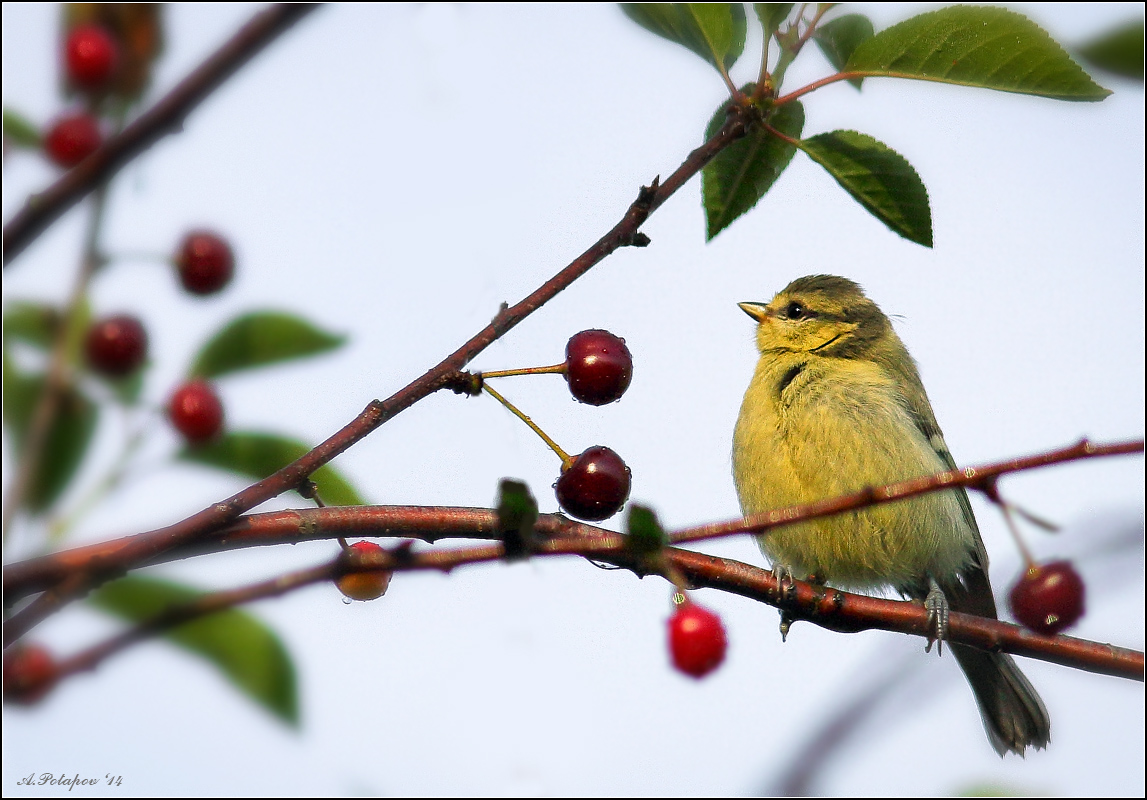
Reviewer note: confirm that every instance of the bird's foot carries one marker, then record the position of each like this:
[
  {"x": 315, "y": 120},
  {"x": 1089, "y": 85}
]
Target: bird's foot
[
  {"x": 783, "y": 575},
  {"x": 937, "y": 605}
]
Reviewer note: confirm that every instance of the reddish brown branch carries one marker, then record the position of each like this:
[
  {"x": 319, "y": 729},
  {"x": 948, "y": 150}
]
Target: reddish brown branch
[
  {"x": 971, "y": 477},
  {"x": 432, "y": 523},
  {"x": 165, "y": 117},
  {"x": 136, "y": 550},
  {"x": 829, "y": 608}
]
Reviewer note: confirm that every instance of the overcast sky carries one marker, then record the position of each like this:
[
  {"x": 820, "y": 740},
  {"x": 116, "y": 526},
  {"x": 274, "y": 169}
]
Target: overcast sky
[{"x": 396, "y": 172}]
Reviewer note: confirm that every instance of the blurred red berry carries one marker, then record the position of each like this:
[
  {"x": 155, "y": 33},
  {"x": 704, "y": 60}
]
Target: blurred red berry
[
  {"x": 72, "y": 138},
  {"x": 205, "y": 262},
  {"x": 697, "y": 640},
  {"x": 91, "y": 56},
  {"x": 116, "y": 346},
  {"x": 196, "y": 412},
  {"x": 599, "y": 367},
  {"x": 1048, "y": 597},
  {"x": 364, "y": 585},
  {"x": 29, "y": 674}
]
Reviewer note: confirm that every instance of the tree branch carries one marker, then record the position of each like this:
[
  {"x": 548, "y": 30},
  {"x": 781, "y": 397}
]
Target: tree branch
[
  {"x": 144, "y": 548},
  {"x": 829, "y": 608},
  {"x": 558, "y": 535},
  {"x": 165, "y": 117}
]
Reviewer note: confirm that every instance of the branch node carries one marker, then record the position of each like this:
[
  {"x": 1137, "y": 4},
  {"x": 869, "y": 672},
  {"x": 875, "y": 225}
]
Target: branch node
[{"x": 463, "y": 382}]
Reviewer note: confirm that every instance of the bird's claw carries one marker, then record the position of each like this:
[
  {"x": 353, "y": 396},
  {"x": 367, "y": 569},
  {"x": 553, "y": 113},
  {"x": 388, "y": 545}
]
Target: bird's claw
[
  {"x": 937, "y": 606},
  {"x": 783, "y": 574}
]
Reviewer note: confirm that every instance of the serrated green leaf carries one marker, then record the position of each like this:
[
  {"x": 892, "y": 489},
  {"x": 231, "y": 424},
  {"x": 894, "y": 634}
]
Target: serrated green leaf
[
  {"x": 772, "y": 15},
  {"x": 643, "y": 530},
  {"x": 259, "y": 455},
  {"x": 66, "y": 442},
  {"x": 1119, "y": 51},
  {"x": 33, "y": 323},
  {"x": 20, "y": 131},
  {"x": 839, "y": 38},
  {"x": 261, "y": 338},
  {"x": 976, "y": 46},
  {"x": 743, "y": 172},
  {"x": 244, "y": 649},
  {"x": 878, "y": 178},
  {"x": 714, "y": 31}
]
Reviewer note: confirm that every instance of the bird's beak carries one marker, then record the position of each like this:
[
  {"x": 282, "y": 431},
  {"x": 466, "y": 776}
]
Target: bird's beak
[{"x": 757, "y": 311}]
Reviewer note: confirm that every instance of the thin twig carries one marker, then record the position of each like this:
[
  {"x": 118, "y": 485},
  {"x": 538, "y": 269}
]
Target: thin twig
[{"x": 165, "y": 117}]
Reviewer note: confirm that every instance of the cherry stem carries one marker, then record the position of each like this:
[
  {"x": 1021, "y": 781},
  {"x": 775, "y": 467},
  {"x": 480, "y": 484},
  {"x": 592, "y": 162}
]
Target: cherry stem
[
  {"x": 507, "y": 373},
  {"x": 1024, "y": 552},
  {"x": 562, "y": 454}
]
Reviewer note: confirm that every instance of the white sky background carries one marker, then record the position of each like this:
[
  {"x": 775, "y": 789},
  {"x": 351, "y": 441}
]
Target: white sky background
[{"x": 395, "y": 173}]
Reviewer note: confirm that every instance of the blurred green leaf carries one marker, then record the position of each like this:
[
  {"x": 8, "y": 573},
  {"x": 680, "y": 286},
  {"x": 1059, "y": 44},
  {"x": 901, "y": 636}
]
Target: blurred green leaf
[
  {"x": 34, "y": 323},
  {"x": 772, "y": 15},
  {"x": 67, "y": 439},
  {"x": 714, "y": 31},
  {"x": 977, "y": 46},
  {"x": 258, "y": 339},
  {"x": 20, "y": 131},
  {"x": 1119, "y": 51},
  {"x": 644, "y": 531},
  {"x": 258, "y": 455},
  {"x": 839, "y": 38},
  {"x": 878, "y": 178},
  {"x": 244, "y": 649},
  {"x": 743, "y": 172},
  {"x": 517, "y": 514}
]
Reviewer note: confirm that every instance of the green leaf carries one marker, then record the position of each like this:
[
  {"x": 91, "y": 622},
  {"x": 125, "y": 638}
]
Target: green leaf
[
  {"x": 66, "y": 442},
  {"x": 735, "y": 180},
  {"x": 517, "y": 514},
  {"x": 878, "y": 178},
  {"x": 20, "y": 131},
  {"x": 260, "y": 338},
  {"x": 259, "y": 455},
  {"x": 644, "y": 531},
  {"x": 977, "y": 46},
  {"x": 34, "y": 323},
  {"x": 839, "y": 38},
  {"x": 714, "y": 31},
  {"x": 772, "y": 15},
  {"x": 1119, "y": 51},
  {"x": 244, "y": 649}
]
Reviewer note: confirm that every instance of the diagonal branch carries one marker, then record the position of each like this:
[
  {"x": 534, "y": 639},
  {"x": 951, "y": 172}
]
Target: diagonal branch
[
  {"x": 165, "y": 117},
  {"x": 144, "y": 548}
]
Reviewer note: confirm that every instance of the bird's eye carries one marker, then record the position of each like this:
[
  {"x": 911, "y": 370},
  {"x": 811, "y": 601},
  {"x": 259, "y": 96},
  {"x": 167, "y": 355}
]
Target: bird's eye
[{"x": 795, "y": 310}]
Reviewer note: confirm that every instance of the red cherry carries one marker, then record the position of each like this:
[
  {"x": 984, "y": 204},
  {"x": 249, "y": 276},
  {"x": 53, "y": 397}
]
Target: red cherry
[
  {"x": 599, "y": 367},
  {"x": 595, "y": 486},
  {"x": 196, "y": 412},
  {"x": 116, "y": 346},
  {"x": 205, "y": 262},
  {"x": 1049, "y": 597},
  {"x": 91, "y": 56},
  {"x": 29, "y": 674},
  {"x": 697, "y": 640},
  {"x": 364, "y": 585},
  {"x": 72, "y": 138}
]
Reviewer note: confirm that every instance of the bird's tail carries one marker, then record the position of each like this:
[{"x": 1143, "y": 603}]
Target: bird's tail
[{"x": 1014, "y": 716}]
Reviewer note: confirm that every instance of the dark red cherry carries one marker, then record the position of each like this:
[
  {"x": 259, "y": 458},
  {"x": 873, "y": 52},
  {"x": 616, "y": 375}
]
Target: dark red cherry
[
  {"x": 599, "y": 367},
  {"x": 1048, "y": 597},
  {"x": 595, "y": 486}
]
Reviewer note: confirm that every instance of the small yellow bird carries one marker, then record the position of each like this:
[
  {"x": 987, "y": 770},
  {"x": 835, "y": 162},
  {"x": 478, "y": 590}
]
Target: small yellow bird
[{"x": 835, "y": 405}]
